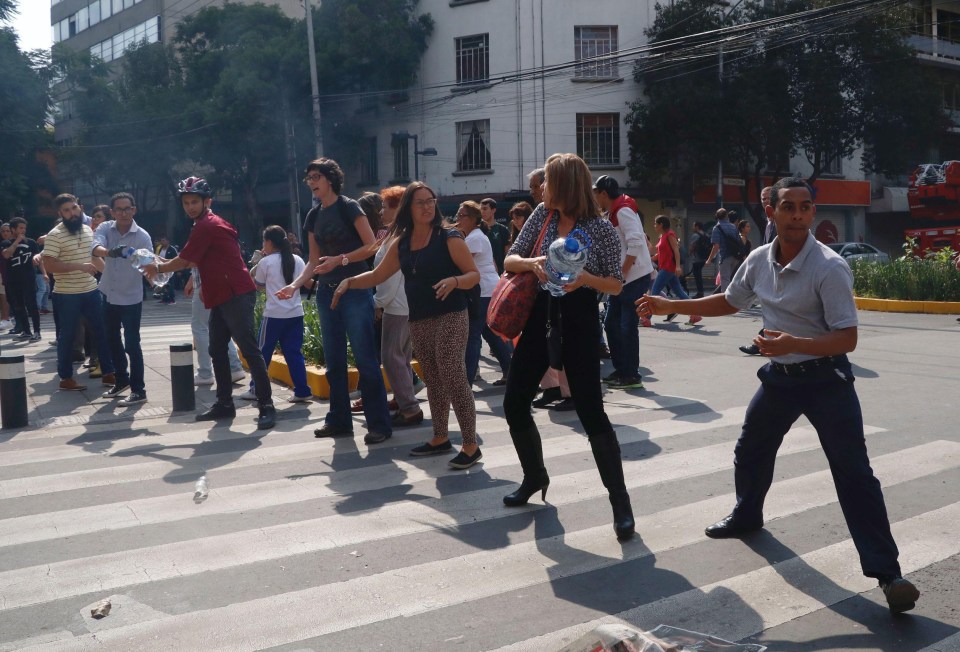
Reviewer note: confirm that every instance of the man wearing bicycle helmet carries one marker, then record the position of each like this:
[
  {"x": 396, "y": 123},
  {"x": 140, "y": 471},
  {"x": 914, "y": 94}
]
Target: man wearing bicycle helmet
[{"x": 229, "y": 293}]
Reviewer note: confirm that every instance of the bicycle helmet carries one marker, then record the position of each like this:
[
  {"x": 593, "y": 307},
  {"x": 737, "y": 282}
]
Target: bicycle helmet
[{"x": 194, "y": 186}]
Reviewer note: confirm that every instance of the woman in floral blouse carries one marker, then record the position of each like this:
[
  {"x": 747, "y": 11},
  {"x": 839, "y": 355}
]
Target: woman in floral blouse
[{"x": 571, "y": 320}]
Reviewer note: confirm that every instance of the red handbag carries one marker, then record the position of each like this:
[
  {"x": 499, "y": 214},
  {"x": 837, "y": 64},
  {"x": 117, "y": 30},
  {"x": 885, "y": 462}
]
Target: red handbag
[{"x": 512, "y": 299}]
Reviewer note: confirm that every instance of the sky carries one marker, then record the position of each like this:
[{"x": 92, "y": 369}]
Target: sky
[{"x": 32, "y": 24}]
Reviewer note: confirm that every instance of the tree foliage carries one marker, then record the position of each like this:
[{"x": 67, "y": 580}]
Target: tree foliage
[
  {"x": 798, "y": 89},
  {"x": 24, "y": 102}
]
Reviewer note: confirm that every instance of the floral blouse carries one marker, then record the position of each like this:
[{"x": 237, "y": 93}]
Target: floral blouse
[{"x": 603, "y": 257}]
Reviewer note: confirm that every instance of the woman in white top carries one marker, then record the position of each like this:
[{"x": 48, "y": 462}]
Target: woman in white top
[
  {"x": 282, "y": 318},
  {"x": 470, "y": 223}
]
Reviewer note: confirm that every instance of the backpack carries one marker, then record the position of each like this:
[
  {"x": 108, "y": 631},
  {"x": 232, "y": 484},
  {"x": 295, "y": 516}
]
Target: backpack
[
  {"x": 735, "y": 245},
  {"x": 702, "y": 246}
]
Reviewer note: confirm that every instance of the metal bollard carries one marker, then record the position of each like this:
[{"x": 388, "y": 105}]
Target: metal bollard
[
  {"x": 181, "y": 377},
  {"x": 13, "y": 392}
]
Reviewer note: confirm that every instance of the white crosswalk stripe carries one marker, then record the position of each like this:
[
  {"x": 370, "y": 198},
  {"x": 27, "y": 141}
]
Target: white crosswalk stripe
[{"x": 116, "y": 519}]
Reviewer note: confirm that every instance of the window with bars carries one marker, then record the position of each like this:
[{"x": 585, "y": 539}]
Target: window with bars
[
  {"x": 473, "y": 58},
  {"x": 598, "y": 138},
  {"x": 401, "y": 159},
  {"x": 473, "y": 151},
  {"x": 369, "y": 173},
  {"x": 595, "y": 41}
]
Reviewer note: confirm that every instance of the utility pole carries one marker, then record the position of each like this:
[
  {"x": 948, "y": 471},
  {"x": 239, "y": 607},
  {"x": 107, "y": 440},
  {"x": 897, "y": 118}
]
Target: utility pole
[{"x": 314, "y": 85}]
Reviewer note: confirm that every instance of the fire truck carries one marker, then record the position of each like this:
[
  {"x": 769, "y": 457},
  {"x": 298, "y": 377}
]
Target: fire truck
[{"x": 934, "y": 194}]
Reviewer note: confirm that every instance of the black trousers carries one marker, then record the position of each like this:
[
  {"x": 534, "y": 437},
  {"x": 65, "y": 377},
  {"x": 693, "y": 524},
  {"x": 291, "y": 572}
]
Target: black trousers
[
  {"x": 698, "y": 277},
  {"x": 233, "y": 319},
  {"x": 22, "y": 294},
  {"x": 827, "y": 398},
  {"x": 580, "y": 329}
]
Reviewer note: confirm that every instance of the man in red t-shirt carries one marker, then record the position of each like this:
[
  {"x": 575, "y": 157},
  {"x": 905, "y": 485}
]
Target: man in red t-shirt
[{"x": 228, "y": 292}]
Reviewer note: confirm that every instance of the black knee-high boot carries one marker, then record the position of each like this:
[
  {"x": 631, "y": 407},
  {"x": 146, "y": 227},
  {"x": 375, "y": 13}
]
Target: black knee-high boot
[
  {"x": 530, "y": 451},
  {"x": 606, "y": 452}
]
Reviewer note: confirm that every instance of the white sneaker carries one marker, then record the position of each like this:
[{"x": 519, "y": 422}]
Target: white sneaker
[
  {"x": 298, "y": 399},
  {"x": 5, "y": 323},
  {"x": 248, "y": 395},
  {"x": 238, "y": 376},
  {"x": 200, "y": 380}
]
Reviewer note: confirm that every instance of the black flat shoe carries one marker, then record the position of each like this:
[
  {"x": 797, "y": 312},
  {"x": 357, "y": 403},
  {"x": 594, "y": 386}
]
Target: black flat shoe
[
  {"x": 217, "y": 412},
  {"x": 464, "y": 461},
  {"x": 267, "y": 418},
  {"x": 753, "y": 349},
  {"x": 565, "y": 405},
  {"x": 729, "y": 528},
  {"x": 426, "y": 449},
  {"x": 548, "y": 396},
  {"x": 326, "y": 430}
]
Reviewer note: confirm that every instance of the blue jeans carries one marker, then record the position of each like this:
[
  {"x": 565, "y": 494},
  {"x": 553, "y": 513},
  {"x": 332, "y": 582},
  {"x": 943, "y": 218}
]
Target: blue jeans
[
  {"x": 352, "y": 318},
  {"x": 43, "y": 291},
  {"x": 127, "y": 317},
  {"x": 623, "y": 327},
  {"x": 502, "y": 349},
  {"x": 289, "y": 333},
  {"x": 668, "y": 280},
  {"x": 70, "y": 308}
]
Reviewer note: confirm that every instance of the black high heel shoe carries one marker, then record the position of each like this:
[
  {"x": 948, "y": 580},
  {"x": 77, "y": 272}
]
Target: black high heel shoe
[
  {"x": 527, "y": 488},
  {"x": 623, "y": 523}
]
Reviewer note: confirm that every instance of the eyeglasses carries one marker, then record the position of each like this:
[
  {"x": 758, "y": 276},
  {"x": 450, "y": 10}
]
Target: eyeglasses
[
  {"x": 127, "y": 209},
  {"x": 312, "y": 177},
  {"x": 425, "y": 203}
]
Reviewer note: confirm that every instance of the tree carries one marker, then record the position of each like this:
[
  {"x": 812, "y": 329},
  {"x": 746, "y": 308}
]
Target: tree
[
  {"x": 24, "y": 102},
  {"x": 821, "y": 84},
  {"x": 364, "y": 46}
]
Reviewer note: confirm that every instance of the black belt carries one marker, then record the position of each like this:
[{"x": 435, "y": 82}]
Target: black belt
[{"x": 807, "y": 366}]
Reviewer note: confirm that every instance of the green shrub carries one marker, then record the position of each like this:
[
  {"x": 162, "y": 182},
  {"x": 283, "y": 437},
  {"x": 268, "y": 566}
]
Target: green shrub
[
  {"x": 932, "y": 277},
  {"x": 312, "y": 343}
]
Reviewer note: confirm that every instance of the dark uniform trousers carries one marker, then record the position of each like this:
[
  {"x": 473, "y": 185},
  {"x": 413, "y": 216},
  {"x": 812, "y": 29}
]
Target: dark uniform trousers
[{"x": 826, "y": 396}]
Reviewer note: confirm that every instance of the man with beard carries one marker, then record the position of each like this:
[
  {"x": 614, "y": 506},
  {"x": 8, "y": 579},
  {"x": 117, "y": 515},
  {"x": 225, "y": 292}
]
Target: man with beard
[
  {"x": 229, "y": 293},
  {"x": 67, "y": 253}
]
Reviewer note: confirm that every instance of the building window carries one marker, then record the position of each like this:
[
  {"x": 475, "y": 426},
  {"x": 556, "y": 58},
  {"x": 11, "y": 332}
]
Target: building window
[
  {"x": 473, "y": 151},
  {"x": 948, "y": 26},
  {"x": 114, "y": 47},
  {"x": 473, "y": 59},
  {"x": 598, "y": 138},
  {"x": 592, "y": 42},
  {"x": 369, "y": 174},
  {"x": 401, "y": 159}
]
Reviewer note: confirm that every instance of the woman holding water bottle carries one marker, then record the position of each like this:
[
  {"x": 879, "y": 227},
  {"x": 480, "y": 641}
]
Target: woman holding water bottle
[{"x": 558, "y": 327}]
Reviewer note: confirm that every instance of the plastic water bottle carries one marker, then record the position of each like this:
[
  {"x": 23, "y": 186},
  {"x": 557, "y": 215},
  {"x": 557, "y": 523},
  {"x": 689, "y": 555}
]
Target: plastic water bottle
[
  {"x": 201, "y": 489},
  {"x": 565, "y": 260},
  {"x": 143, "y": 257}
]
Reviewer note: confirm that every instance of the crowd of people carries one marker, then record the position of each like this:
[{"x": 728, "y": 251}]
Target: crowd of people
[{"x": 398, "y": 280}]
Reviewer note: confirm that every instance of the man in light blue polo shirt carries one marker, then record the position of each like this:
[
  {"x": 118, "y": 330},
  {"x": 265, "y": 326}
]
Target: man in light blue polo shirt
[
  {"x": 810, "y": 324},
  {"x": 122, "y": 288}
]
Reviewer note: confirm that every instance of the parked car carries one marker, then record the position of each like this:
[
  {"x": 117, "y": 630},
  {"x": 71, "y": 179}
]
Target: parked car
[{"x": 853, "y": 251}]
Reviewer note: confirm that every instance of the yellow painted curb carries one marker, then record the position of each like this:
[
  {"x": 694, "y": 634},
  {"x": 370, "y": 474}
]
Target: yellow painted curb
[
  {"x": 317, "y": 376},
  {"x": 896, "y": 305}
]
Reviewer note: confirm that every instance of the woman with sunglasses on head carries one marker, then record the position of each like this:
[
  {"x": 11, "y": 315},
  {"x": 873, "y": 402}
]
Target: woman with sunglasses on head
[
  {"x": 568, "y": 205},
  {"x": 471, "y": 225},
  {"x": 437, "y": 267}
]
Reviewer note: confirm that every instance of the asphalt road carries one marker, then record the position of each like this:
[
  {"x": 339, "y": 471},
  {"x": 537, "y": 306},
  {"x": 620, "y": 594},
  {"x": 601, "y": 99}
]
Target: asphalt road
[{"x": 307, "y": 544}]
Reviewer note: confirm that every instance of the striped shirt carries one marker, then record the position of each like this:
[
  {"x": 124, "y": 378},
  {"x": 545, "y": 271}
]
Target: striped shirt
[{"x": 71, "y": 248}]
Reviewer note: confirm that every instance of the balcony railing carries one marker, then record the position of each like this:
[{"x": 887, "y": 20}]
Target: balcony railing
[{"x": 936, "y": 48}]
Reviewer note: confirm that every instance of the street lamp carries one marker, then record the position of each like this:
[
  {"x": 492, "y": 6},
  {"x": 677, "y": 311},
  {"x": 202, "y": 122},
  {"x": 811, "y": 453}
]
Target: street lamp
[
  {"x": 722, "y": 3},
  {"x": 417, "y": 152},
  {"x": 314, "y": 85}
]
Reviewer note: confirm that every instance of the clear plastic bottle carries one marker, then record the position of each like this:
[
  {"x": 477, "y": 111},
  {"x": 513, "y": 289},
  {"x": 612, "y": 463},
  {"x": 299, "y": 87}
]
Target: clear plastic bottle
[
  {"x": 565, "y": 260},
  {"x": 143, "y": 257},
  {"x": 201, "y": 489}
]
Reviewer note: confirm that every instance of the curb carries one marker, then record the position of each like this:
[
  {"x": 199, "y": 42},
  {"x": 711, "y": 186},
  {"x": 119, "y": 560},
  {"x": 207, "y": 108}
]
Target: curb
[{"x": 896, "y": 305}]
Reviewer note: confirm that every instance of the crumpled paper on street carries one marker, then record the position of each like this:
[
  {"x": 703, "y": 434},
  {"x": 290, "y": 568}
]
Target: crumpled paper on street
[{"x": 623, "y": 638}]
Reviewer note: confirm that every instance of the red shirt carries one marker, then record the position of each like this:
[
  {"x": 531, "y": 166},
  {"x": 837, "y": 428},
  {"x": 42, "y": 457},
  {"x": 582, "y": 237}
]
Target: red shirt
[
  {"x": 213, "y": 247},
  {"x": 665, "y": 252}
]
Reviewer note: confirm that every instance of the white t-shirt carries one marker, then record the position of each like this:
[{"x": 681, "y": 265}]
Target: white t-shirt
[
  {"x": 269, "y": 273},
  {"x": 479, "y": 246}
]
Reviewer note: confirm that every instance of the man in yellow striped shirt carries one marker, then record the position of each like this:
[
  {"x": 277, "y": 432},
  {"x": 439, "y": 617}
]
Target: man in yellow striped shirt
[{"x": 68, "y": 254}]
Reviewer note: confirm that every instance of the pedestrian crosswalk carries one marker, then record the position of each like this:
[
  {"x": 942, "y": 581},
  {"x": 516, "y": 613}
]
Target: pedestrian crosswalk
[{"x": 307, "y": 544}]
